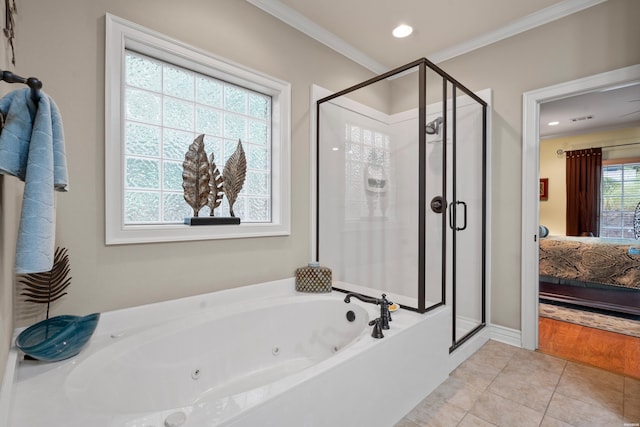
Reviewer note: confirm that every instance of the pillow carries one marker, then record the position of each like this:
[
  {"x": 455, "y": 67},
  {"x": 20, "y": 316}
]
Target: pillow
[{"x": 543, "y": 231}]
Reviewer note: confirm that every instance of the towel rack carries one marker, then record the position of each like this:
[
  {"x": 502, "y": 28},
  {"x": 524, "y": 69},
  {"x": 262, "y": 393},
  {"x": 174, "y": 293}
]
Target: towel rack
[{"x": 32, "y": 82}]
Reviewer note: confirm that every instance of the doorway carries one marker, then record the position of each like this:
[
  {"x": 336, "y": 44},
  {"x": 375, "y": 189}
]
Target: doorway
[{"x": 530, "y": 184}]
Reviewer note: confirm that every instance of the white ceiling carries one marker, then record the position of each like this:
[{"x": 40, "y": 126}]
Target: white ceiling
[
  {"x": 592, "y": 112},
  {"x": 437, "y": 24},
  {"x": 443, "y": 29}
]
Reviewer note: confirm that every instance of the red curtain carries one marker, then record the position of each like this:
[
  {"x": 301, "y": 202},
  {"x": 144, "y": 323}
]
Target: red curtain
[{"x": 584, "y": 170}]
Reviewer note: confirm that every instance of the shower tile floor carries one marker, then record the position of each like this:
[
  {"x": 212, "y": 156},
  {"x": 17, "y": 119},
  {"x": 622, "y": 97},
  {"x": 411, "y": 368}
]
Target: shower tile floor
[{"x": 502, "y": 385}]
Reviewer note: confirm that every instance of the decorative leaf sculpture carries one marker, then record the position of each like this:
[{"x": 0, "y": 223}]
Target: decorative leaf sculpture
[
  {"x": 235, "y": 172},
  {"x": 195, "y": 175},
  {"x": 216, "y": 186},
  {"x": 49, "y": 286}
]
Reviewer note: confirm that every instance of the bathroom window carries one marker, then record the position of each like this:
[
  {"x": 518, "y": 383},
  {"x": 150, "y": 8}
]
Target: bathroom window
[
  {"x": 162, "y": 94},
  {"x": 165, "y": 108},
  {"x": 367, "y": 173},
  {"x": 620, "y": 196}
]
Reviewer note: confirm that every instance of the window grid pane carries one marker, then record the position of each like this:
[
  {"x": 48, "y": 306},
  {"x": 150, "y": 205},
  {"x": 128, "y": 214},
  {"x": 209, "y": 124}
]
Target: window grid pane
[
  {"x": 166, "y": 107},
  {"x": 367, "y": 164},
  {"x": 620, "y": 196}
]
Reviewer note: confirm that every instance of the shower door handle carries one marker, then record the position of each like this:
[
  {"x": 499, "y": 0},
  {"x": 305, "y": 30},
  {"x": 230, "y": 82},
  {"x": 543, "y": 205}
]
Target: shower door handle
[
  {"x": 452, "y": 219},
  {"x": 451, "y": 208},
  {"x": 464, "y": 217}
]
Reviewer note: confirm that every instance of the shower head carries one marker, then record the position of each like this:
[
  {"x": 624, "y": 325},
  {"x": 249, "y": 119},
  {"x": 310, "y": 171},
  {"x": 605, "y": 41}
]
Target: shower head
[{"x": 433, "y": 127}]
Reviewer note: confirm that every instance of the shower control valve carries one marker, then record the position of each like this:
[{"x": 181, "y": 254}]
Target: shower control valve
[{"x": 437, "y": 204}]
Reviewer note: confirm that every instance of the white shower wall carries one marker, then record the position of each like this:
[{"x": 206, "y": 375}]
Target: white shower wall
[
  {"x": 366, "y": 245},
  {"x": 368, "y": 233}
]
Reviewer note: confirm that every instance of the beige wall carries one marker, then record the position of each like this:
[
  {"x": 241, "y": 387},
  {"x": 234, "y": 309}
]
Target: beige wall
[
  {"x": 62, "y": 42},
  {"x": 553, "y": 166},
  {"x": 598, "y": 39}
]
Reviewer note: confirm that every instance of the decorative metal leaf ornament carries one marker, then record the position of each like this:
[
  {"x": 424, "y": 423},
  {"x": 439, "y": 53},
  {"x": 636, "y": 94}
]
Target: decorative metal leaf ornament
[
  {"x": 49, "y": 286},
  {"x": 235, "y": 172},
  {"x": 195, "y": 176},
  {"x": 216, "y": 183}
]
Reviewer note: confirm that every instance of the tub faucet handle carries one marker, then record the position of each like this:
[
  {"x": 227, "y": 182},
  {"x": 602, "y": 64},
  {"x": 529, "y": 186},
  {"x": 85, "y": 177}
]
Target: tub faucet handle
[
  {"x": 377, "y": 328},
  {"x": 385, "y": 314}
]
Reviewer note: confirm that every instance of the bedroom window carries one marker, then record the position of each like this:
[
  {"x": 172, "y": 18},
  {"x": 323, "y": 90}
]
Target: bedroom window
[
  {"x": 160, "y": 95},
  {"x": 620, "y": 196}
]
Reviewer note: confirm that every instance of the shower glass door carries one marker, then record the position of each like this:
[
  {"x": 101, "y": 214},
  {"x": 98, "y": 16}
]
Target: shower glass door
[{"x": 466, "y": 213}]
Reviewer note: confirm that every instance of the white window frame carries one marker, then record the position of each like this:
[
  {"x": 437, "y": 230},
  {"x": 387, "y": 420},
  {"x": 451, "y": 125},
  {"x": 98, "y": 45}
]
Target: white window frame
[
  {"x": 121, "y": 35},
  {"x": 607, "y": 163}
]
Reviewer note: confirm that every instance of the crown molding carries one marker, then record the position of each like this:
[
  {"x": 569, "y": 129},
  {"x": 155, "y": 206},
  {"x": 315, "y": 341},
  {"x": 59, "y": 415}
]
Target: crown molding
[
  {"x": 321, "y": 34},
  {"x": 533, "y": 20}
]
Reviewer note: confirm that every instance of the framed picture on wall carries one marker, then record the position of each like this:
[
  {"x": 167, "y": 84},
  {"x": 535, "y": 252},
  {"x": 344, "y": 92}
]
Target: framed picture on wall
[{"x": 544, "y": 188}]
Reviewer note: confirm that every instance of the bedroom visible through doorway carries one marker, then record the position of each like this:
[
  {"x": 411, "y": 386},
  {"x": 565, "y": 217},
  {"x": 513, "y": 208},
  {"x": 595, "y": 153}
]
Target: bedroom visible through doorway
[{"x": 531, "y": 175}]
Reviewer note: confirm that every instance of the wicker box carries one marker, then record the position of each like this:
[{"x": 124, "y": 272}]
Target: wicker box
[{"x": 313, "y": 278}]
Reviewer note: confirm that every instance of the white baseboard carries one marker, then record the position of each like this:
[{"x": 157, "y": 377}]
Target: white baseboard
[
  {"x": 505, "y": 335},
  {"x": 494, "y": 332}
]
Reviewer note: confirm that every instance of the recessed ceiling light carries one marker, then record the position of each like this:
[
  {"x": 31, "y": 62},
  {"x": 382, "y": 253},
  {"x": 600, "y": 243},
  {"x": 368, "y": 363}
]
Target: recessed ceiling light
[
  {"x": 402, "y": 30},
  {"x": 553, "y": 123}
]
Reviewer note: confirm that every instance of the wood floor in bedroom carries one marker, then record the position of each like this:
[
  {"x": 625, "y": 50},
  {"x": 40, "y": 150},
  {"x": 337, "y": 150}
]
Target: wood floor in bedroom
[{"x": 607, "y": 350}]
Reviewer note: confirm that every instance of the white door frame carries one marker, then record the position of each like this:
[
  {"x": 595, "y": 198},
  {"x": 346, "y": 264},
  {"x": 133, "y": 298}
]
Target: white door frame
[{"x": 530, "y": 183}]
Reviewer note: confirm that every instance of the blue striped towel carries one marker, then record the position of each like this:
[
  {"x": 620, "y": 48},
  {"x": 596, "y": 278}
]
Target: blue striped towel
[{"x": 32, "y": 149}]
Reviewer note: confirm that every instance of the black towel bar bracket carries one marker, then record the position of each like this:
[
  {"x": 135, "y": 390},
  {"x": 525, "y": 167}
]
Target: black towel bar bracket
[{"x": 34, "y": 83}]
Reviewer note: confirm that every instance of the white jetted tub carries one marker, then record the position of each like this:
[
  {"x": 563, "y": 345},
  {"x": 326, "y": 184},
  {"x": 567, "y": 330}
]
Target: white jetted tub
[{"x": 261, "y": 355}]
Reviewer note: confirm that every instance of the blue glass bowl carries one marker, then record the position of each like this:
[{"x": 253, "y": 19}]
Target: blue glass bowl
[{"x": 57, "y": 338}]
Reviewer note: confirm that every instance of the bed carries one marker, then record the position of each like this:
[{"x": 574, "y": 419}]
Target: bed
[{"x": 590, "y": 272}]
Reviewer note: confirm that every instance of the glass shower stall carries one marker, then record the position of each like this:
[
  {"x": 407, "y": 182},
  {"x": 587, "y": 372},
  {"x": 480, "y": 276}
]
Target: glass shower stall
[{"x": 401, "y": 182}]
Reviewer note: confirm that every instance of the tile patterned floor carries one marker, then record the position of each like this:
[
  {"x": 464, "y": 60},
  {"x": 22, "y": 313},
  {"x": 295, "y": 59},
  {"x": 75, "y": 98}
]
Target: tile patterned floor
[{"x": 502, "y": 385}]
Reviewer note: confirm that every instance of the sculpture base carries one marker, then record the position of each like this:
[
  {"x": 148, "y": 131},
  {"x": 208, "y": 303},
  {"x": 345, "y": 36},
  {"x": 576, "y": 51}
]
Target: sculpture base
[{"x": 212, "y": 220}]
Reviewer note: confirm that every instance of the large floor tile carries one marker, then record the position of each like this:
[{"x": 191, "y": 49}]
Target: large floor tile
[
  {"x": 474, "y": 375},
  {"x": 549, "y": 421},
  {"x": 471, "y": 420},
  {"x": 505, "y": 412},
  {"x": 632, "y": 386},
  {"x": 436, "y": 413},
  {"x": 456, "y": 392},
  {"x": 522, "y": 371},
  {"x": 594, "y": 376},
  {"x": 579, "y": 413},
  {"x": 534, "y": 361},
  {"x": 493, "y": 356},
  {"x": 497, "y": 349},
  {"x": 594, "y": 386},
  {"x": 631, "y": 400},
  {"x": 528, "y": 388}
]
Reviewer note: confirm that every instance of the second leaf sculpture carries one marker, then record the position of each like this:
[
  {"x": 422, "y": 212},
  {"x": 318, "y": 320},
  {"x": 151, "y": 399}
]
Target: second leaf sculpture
[
  {"x": 202, "y": 182},
  {"x": 235, "y": 172}
]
